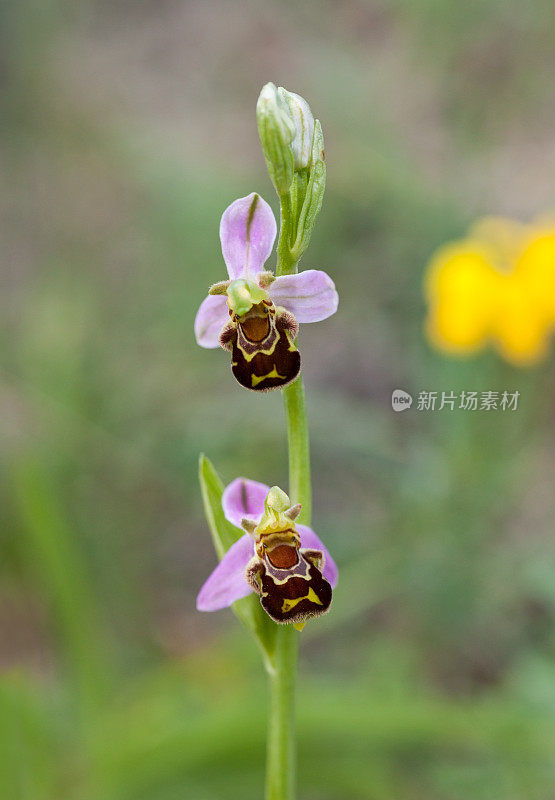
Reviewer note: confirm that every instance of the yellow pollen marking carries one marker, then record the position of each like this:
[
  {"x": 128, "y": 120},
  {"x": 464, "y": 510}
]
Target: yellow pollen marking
[
  {"x": 290, "y": 604},
  {"x": 273, "y": 374}
]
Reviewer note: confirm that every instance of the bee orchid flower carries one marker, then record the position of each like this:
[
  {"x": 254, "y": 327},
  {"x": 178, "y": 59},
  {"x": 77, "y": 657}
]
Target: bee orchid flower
[
  {"x": 285, "y": 563},
  {"x": 254, "y": 314}
]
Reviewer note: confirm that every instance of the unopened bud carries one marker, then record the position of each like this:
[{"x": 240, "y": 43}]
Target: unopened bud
[
  {"x": 303, "y": 120},
  {"x": 276, "y": 130}
]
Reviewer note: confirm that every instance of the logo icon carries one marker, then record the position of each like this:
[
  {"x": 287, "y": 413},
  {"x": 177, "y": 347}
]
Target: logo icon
[{"x": 400, "y": 400}]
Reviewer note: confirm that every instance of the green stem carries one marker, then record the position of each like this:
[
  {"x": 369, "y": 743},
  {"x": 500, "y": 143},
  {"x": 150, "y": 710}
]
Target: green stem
[
  {"x": 281, "y": 758},
  {"x": 299, "y": 453},
  {"x": 280, "y": 774},
  {"x": 286, "y": 263},
  {"x": 293, "y": 395}
]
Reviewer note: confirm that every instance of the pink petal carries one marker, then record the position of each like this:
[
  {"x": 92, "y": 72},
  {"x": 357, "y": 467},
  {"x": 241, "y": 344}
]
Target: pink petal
[
  {"x": 309, "y": 295},
  {"x": 211, "y": 318},
  {"x": 227, "y": 582},
  {"x": 244, "y": 498},
  {"x": 247, "y": 232},
  {"x": 310, "y": 540}
]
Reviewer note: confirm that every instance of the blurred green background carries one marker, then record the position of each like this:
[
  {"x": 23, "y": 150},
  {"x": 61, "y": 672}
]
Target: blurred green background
[{"x": 127, "y": 129}]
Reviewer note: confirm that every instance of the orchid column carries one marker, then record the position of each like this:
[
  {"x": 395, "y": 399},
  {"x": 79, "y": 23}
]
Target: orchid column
[{"x": 255, "y": 315}]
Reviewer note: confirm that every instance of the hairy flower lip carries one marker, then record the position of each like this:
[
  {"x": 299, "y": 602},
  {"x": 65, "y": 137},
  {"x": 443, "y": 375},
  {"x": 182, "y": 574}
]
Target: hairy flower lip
[
  {"x": 244, "y": 499},
  {"x": 248, "y": 231}
]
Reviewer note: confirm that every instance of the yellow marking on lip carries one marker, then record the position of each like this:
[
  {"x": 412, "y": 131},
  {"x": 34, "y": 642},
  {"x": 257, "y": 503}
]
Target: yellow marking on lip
[
  {"x": 268, "y": 352},
  {"x": 299, "y": 625},
  {"x": 273, "y": 374},
  {"x": 292, "y": 346},
  {"x": 290, "y": 604}
]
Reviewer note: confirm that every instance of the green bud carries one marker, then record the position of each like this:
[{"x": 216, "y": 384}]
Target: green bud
[
  {"x": 242, "y": 295},
  {"x": 303, "y": 120},
  {"x": 276, "y": 130}
]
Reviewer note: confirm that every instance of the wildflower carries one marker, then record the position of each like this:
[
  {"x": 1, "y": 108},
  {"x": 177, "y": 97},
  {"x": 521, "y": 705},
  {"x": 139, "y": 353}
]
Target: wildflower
[
  {"x": 496, "y": 286},
  {"x": 255, "y": 315},
  {"x": 286, "y": 564}
]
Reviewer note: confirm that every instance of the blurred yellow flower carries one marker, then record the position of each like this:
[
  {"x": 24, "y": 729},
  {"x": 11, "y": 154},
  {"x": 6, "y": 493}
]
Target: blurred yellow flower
[{"x": 496, "y": 287}]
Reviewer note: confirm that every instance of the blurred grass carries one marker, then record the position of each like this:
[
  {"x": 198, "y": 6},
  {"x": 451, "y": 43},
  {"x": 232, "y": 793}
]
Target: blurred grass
[{"x": 127, "y": 130}]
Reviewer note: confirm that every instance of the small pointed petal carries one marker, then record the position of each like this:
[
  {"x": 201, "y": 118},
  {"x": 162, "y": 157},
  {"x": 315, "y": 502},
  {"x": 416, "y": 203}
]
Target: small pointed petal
[
  {"x": 309, "y": 295},
  {"x": 244, "y": 499},
  {"x": 227, "y": 582},
  {"x": 248, "y": 525},
  {"x": 247, "y": 232},
  {"x": 294, "y": 512},
  {"x": 219, "y": 288},
  {"x": 211, "y": 318},
  {"x": 310, "y": 540}
]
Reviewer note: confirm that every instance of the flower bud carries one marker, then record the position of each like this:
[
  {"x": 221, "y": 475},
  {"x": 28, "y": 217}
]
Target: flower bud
[
  {"x": 304, "y": 128},
  {"x": 276, "y": 130}
]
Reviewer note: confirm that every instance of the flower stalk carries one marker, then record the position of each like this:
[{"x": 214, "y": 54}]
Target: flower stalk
[{"x": 282, "y": 749}]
